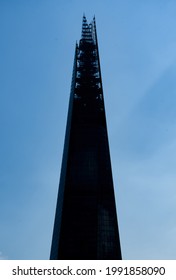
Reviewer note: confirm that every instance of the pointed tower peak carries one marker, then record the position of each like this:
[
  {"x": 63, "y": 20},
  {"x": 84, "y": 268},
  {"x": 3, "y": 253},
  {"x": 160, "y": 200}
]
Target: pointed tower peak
[
  {"x": 84, "y": 19},
  {"x": 88, "y": 29}
]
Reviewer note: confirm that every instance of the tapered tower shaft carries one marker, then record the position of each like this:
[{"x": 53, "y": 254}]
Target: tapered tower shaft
[{"x": 86, "y": 222}]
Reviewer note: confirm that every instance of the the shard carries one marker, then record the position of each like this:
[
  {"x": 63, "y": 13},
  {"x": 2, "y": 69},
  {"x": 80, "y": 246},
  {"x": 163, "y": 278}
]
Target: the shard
[{"x": 86, "y": 226}]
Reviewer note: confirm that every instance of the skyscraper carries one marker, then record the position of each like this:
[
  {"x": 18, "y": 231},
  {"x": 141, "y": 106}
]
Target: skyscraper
[{"x": 86, "y": 222}]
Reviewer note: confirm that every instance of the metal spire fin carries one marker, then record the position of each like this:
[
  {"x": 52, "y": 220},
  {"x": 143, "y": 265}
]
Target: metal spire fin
[{"x": 88, "y": 30}]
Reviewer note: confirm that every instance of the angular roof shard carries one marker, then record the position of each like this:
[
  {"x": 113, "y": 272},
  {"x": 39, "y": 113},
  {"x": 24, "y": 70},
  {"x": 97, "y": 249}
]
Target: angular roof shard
[{"x": 88, "y": 30}]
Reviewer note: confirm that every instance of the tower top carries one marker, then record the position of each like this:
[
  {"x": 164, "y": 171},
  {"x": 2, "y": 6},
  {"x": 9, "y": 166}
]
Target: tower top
[{"x": 88, "y": 30}]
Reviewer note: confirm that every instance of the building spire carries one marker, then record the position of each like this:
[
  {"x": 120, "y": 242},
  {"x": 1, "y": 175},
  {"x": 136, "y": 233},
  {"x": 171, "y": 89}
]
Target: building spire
[
  {"x": 86, "y": 224},
  {"x": 88, "y": 31}
]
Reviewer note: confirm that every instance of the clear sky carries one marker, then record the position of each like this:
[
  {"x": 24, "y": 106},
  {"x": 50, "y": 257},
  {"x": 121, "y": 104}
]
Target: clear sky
[{"x": 137, "y": 45}]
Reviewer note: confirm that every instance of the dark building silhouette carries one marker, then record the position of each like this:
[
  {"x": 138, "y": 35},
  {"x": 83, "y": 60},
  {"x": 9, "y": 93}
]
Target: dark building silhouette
[{"x": 86, "y": 222}]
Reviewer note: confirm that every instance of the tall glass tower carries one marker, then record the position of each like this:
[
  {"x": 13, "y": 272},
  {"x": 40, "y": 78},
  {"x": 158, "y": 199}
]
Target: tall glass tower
[{"x": 86, "y": 225}]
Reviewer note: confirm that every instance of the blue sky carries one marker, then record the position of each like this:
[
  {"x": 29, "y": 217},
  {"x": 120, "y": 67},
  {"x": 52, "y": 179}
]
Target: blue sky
[{"x": 137, "y": 45}]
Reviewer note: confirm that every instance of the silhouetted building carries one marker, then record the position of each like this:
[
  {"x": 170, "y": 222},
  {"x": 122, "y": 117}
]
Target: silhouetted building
[{"x": 86, "y": 222}]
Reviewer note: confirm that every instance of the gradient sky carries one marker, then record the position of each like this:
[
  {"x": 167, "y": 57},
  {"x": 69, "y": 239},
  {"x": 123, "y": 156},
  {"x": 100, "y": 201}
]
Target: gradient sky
[{"x": 137, "y": 45}]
